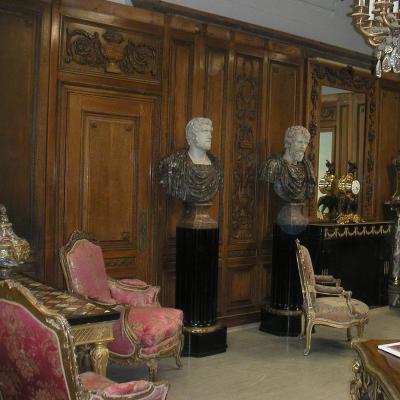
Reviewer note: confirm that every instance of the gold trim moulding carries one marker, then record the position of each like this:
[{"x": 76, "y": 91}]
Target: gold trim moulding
[
  {"x": 283, "y": 312},
  {"x": 92, "y": 333},
  {"x": 203, "y": 329},
  {"x": 357, "y": 231}
]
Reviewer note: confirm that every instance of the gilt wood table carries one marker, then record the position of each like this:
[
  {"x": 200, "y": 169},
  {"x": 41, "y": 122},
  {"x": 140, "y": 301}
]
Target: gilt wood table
[
  {"x": 91, "y": 323},
  {"x": 376, "y": 373}
]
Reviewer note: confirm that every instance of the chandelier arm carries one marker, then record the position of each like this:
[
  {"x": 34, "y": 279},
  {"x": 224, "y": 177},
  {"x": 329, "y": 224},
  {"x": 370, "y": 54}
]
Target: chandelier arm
[{"x": 372, "y": 36}]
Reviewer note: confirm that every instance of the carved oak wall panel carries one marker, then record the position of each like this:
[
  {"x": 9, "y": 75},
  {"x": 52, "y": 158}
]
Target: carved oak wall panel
[
  {"x": 179, "y": 110},
  {"x": 241, "y": 286},
  {"x": 389, "y": 143},
  {"x": 215, "y": 108},
  {"x": 23, "y": 85},
  {"x": 284, "y": 110},
  {"x": 97, "y": 49},
  {"x": 246, "y": 122}
]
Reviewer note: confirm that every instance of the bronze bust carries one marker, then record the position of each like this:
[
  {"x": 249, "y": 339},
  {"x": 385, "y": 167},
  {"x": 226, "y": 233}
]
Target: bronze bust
[
  {"x": 291, "y": 172},
  {"x": 193, "y": 174}
]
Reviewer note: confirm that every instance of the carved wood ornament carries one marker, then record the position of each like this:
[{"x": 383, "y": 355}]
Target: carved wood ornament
[
  {"x": 247, "y": 98},
  {"x": 111, "y": 51},
  {"x": 346, "y": 78}
]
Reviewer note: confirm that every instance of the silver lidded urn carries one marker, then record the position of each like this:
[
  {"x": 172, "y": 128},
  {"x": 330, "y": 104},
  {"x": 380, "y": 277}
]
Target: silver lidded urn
[{"x": 13, "y": 249}]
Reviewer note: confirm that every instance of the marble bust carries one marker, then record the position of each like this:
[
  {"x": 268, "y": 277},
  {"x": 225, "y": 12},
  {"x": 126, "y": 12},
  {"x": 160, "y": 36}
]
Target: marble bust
[
  {"x": 193, "y": 174},
  {"x": 291, "y": 172}
]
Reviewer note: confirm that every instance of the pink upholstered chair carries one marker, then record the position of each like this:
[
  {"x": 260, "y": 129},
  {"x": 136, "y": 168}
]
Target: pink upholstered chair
[
  {"x": 335, "y": 308},
  {"x": 38, "y": 360},
  {"x": 146, "y": 331}
]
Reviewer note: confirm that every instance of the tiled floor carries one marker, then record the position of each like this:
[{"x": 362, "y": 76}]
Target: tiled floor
[{"x": 261, "y": 366}]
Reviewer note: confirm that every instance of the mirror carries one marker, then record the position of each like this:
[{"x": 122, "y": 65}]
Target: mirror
[
  {"x": 342, "y": 130},
  {"x": 341, "y": 120}
]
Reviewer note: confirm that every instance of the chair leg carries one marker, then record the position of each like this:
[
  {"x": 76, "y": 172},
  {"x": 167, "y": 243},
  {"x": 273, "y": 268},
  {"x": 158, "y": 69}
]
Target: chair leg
[
  {"x": 308, "y": 338},
  {"x": 360, "y": 330},
  {"x": 152, "y": 365},
  {"x": 178, "y": 360},
  {"x": 178, "y": 352},
  {"x": 349, "y": 337},
  {"x": 303, "y": 325}
]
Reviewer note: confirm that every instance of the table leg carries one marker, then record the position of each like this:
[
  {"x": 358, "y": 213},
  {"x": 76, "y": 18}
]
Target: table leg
[{"x": 99, "y": 356}]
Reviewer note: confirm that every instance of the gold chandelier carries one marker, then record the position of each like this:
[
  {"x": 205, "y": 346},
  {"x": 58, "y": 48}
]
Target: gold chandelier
[{"x": 379, "y": 22}]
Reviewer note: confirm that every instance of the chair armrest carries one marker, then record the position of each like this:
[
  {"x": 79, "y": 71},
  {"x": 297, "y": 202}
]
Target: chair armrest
[
  {"x": 134, "y": 292},
  {"x": 330, "y": 290},
  {"x": 327, "y": 279}
]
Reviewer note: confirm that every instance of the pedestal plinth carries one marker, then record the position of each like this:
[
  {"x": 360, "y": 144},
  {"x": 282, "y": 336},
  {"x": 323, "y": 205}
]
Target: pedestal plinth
[
  {"x": 283, "y": 316},
  {"x": 197, "y": 239}
]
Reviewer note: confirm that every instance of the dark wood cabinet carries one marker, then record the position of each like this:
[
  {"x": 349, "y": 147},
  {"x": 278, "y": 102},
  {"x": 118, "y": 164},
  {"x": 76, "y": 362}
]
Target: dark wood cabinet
[{"x": 358, "y": 254}]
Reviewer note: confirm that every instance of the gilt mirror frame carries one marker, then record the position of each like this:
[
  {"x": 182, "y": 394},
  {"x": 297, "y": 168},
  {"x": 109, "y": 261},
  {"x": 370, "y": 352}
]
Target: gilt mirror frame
[{"x": 322, "y": 73}]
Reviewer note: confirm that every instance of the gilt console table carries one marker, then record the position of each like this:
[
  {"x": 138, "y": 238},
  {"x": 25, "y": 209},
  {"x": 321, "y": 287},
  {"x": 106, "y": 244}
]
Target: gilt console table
[
  {"x": 91, "y": 324},
  {"x": 376, "y": 373}
]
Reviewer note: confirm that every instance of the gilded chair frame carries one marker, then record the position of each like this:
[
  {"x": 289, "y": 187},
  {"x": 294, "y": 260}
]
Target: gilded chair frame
[
  {"x": 134, "y": 357},
  {"x": 308, "y": 316},
  {"x": 15, "y": 292}
]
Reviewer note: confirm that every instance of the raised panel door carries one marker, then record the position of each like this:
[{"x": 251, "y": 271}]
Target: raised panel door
[{"x": 107, "y": 175}]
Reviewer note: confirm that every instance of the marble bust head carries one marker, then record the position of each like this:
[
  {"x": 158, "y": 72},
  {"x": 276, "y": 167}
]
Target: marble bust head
[
  {"x": 192, "y": 174},
  {"x": 198, "y": 136},
  {"x": 296, "y": 142},
  {"x": 291, "y": 172}
]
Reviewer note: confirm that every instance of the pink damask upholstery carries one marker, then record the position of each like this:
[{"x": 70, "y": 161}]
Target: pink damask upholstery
[
  {"x": 146, "y": 331},
  {"x": 92, "y": 280},
  {"x": 37, "y": 357},
  {"x": 31, "y": 366},
  {"x": 339, "y": 311}
]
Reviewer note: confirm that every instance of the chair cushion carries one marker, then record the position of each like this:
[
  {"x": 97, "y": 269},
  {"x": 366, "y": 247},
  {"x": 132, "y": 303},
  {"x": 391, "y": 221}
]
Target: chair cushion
[
  {"x": 336, "y": 309},
  {"x": 95, "y": 382},
  {"x": 152, "y": 325},
  {"x": 92, "y": 381},
  {"x": 87, "y": 270}
]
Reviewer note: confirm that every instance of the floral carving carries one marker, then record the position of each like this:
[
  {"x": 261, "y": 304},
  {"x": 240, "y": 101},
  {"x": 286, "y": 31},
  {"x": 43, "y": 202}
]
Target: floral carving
[
  {"x": 245, "y": 159},
  {"x": 139, "y": 58},
  {"x": 84, "y": 48},
  {"x": 111, "y": 51}
]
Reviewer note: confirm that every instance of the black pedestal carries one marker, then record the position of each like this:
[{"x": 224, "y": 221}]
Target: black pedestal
[
  {"x": 283, "y": 316},
  {"x": 196, "y": 290},
  {"x": 204, "y": 342}
]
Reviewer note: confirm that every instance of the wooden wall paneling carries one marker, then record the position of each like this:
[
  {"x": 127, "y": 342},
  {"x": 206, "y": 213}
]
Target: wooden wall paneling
[
  {"x": 246, "y": 128},
  {"x": 284, "y": 109},
  {"x": 389, "y": 143},
  {"x": 178, "y": 70},
  {"x": 107, "y": 179},
  {"x": 24, "y": 29},
  {"x": 216, "y": 62},
  {"x": 179, "y": 110},
  {"x": 241, "y": 286},
  {"x": 264, "y": 255}
]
